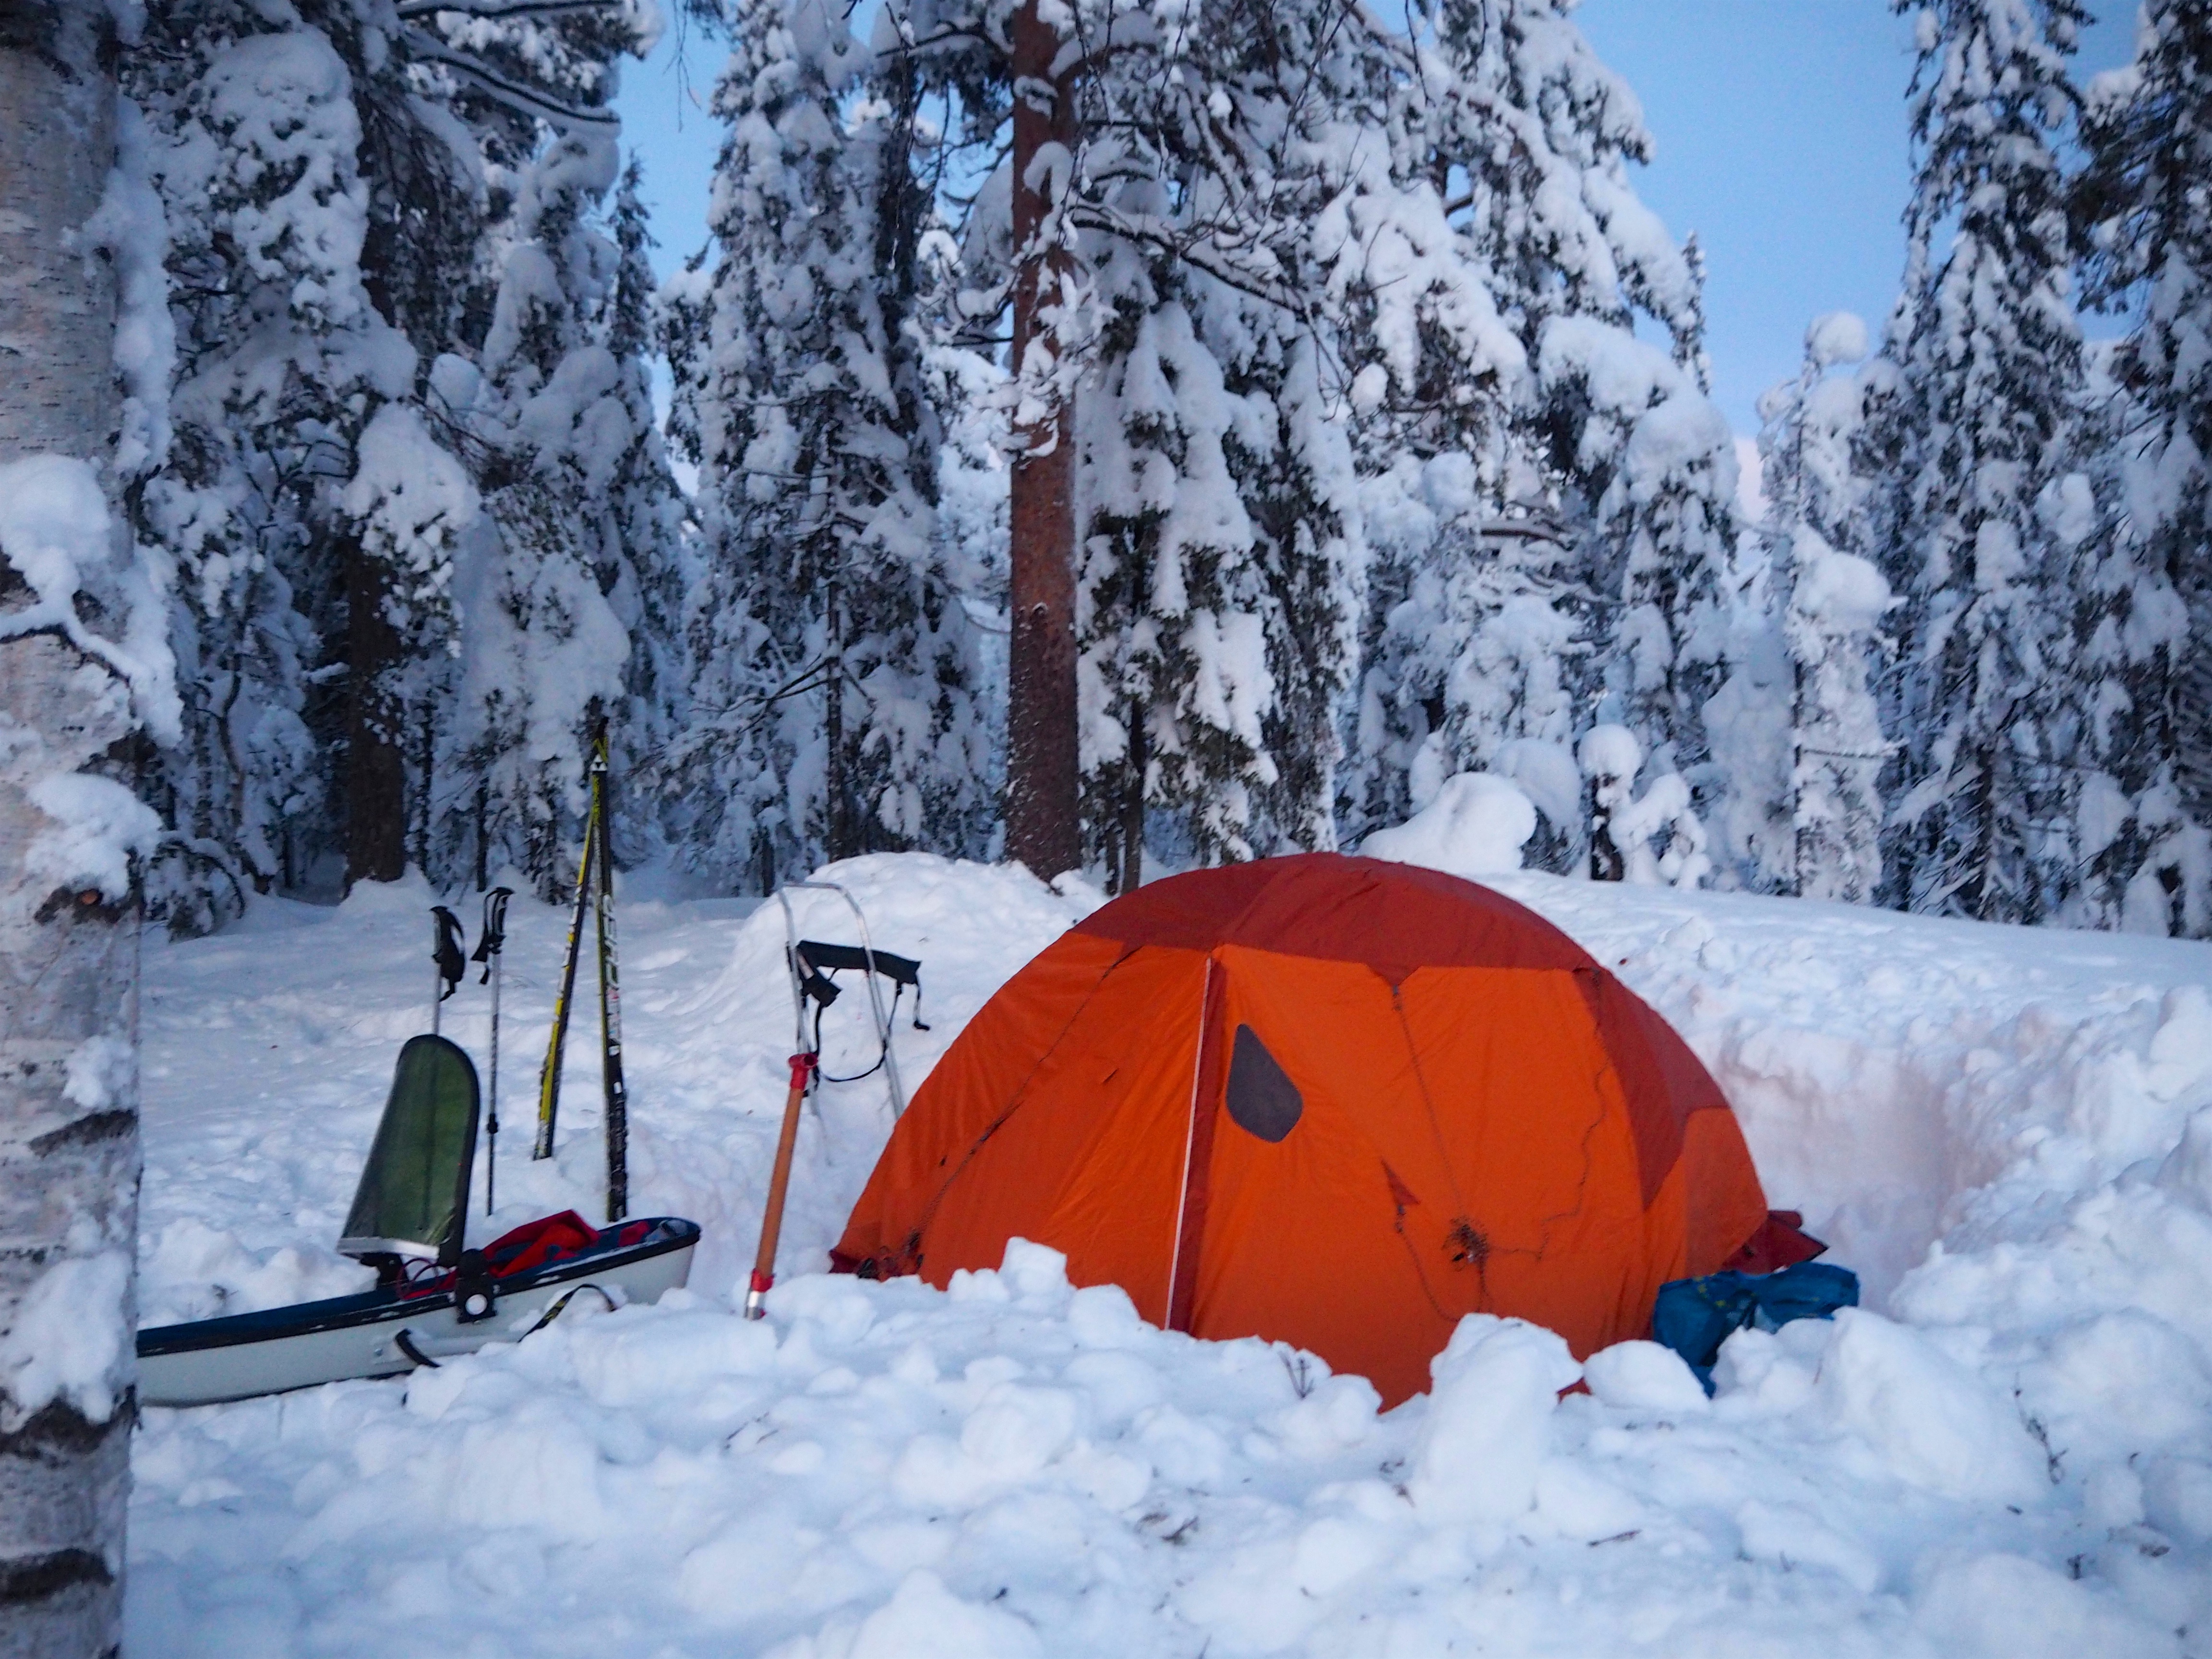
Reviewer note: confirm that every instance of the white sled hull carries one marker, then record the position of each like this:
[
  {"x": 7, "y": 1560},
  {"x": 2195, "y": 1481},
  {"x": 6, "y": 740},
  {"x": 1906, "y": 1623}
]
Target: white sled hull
[{"x": 303, "y": 1358}]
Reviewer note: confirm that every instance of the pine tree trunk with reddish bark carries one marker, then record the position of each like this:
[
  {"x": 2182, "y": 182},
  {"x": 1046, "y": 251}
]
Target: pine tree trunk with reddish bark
[{"x": 1043, "y": 830}]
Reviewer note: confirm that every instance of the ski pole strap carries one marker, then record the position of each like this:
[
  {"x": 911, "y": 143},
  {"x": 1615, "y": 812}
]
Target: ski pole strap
[
  {"x": 446, "y": 949},
  {"x": 802, "y": 1066},
  {"x": 494, "y": 938}
]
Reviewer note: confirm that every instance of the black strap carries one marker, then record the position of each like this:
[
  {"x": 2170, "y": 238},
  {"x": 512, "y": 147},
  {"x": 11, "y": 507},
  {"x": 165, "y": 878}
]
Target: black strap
[
  {"x": 814, "y": 962},
  {"x": 494, "y": 938},
  {"x": 451, "y": 967},
  {"x": 902, "y": 970},
  {"x": 882, "y": 1053}
]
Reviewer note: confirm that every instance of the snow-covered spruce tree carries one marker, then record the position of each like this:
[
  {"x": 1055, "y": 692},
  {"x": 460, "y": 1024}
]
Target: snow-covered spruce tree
[
  {"x": 1654, "y": 485},
  {"x": 566, "y": 584},
  {"x": 1219, "y": 522},
  {"x": 1486, "y": 626},
  {"x": 1797, "y": 725},
  {"x": 1242, "y": 239},
  {"x": 1438, "y": 384},
  {"x": 83, "y": 662},
  {"x": 1265, "y": 258},
  {"x": 1981, "y": 427},
  {"x": 343, "y": 187},
  {"x": 555, "y": 426},
  {"x": 1650, "y": 840},
  {"x": 385, "y": 600},
  {"x": 2142, "y": 206},
  {"x": 1605, "y": 441},
  {"x": 651, "y": 579},
  {"x": 834, "y": 694},
  {"x": 253, "y": 139}
]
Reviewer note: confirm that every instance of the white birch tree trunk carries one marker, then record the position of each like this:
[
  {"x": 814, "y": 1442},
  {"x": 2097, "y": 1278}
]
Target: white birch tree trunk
[{"x": 69, "y": 1124}]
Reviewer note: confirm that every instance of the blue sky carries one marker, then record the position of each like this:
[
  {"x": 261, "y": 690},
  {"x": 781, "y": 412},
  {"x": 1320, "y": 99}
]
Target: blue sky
[{"x": 1781, "y": 141}]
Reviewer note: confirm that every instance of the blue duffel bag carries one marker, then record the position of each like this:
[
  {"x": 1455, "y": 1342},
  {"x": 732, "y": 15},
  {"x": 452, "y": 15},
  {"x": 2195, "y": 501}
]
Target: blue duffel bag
[{"x": 1694, "y": 1316}]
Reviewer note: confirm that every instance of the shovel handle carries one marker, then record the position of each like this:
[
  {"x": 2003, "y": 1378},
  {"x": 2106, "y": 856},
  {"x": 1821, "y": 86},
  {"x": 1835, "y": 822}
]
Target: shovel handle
[{"x": 779, "y": 1186}]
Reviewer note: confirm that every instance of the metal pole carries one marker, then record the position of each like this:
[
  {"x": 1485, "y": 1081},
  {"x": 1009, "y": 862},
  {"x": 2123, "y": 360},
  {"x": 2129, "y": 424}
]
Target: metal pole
[
  {"x": 491, "y": 951},
  {"x": 491, "y": 1153},
  {"x": 611, "y": 1056}
]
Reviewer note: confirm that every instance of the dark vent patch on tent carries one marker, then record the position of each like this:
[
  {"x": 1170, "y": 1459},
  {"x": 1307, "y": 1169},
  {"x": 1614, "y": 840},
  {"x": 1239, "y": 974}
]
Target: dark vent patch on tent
[{"x": 1262, "y": 1099}]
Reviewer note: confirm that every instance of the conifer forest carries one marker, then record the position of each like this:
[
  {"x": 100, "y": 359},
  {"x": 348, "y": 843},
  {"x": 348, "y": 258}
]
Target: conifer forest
[{"x": 1129, "y": 437}]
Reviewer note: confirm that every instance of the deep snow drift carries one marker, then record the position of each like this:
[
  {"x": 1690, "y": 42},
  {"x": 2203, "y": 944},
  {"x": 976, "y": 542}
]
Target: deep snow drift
[{"x": 2008, "y": 1133}]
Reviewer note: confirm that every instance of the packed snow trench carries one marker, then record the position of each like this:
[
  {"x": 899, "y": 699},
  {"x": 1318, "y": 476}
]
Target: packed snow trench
[{"x": 2007, "y": 1452}]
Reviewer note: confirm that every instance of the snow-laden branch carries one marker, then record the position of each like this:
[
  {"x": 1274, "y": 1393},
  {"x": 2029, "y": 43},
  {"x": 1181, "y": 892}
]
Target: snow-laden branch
[
  {"x": 515, "y": 94},
  {"x": 412, "y": 9},
  {"x": 1151, "y": 230}
]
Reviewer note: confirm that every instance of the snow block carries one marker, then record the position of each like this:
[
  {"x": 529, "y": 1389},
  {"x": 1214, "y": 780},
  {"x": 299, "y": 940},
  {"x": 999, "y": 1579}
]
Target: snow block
[{"x": 1489, "y": 1421}]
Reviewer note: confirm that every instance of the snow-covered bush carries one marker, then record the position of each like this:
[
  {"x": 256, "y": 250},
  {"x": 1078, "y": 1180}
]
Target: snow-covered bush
[
  {"x": 1475, "y": 825},
  {"x": 1649, "y": 839}
]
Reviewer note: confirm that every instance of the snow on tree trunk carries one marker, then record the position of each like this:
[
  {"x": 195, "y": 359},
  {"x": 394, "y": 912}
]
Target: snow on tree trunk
[
  {"x": 79, "y": 623},
  {"x": 1043, "y": 828}
]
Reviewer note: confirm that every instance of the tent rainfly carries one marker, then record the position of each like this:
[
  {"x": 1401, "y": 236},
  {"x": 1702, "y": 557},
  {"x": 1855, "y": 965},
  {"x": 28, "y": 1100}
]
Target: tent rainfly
[{"x": 1328, "y": 1100}]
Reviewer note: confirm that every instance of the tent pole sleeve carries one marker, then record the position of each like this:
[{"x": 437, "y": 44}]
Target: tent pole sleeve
[
  {"x": 779, "y": 1186},
  {"x": 1197, "y": 1152}
]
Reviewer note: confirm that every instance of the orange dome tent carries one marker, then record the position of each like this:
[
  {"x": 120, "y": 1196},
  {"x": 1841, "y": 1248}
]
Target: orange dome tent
[{"x": 1328, "y": 1100}]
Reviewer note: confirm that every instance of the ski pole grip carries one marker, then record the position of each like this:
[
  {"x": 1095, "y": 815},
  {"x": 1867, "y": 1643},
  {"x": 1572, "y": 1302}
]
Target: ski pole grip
[{"x": 801, "y": 1065}]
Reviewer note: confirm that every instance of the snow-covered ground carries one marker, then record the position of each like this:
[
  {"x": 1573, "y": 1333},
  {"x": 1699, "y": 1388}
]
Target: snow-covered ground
[{"x": 2009, "y": 1453}]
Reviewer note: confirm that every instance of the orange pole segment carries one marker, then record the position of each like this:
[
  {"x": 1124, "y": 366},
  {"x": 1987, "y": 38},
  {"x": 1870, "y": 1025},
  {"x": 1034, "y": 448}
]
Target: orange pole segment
[{"x": 779, "y": 1186}]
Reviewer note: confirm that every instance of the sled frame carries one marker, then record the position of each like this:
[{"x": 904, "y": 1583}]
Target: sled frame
[{"x": 882, "y": 1016}]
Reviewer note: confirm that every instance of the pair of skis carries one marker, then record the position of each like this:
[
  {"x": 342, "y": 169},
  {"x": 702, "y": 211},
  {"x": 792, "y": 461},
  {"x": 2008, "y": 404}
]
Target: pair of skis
[{"x": 595, "y": 890}]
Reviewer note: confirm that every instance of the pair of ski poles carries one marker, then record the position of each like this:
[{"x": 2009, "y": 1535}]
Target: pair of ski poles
[{"x": 447, "y": 939}]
